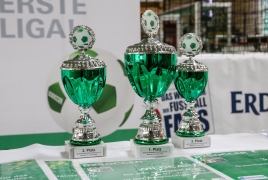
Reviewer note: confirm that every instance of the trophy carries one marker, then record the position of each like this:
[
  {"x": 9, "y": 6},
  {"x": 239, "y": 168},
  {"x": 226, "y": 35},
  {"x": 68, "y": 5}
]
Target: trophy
[
  {"x": 190, "y": 81},
  {"x": 150, "y": 67},
  {"x": 83, "y": 78}
]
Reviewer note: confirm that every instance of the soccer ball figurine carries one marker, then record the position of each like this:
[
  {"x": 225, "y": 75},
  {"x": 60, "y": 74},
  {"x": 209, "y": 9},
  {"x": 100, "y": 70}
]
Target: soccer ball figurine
[
  {"x": 150, "y": 23},
  {"x": 190, "y": 44},
  {"x": 82, "y": 38}
]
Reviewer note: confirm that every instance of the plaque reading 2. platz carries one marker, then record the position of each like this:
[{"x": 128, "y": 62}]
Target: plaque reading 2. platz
[{"x": 83, "y": 78}]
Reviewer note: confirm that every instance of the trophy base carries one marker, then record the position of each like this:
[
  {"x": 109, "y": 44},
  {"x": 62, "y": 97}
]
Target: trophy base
[
  {"x": 151, "y": 142},
  {"x": 75, "y": 152},
  {"x": 85, "y": 143},
  {"x": 147, "y": 151},
  {"x": 190, "y": 134},
  {"x": 190, "y": 142}
]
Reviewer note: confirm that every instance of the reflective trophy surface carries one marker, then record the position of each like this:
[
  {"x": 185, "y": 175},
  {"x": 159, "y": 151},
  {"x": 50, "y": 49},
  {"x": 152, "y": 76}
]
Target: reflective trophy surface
[
  {"x": 190, "y": 81},
  {"x": 150, "y": 67},
  {"x": 83, "y": 78}
]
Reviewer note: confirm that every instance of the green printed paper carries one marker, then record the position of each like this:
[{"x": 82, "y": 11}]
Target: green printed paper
[
  {"x": 63, "y": 170},
  {"x": 155, "y": 169},
  {"x": 28, "y": 169},
  {"x": 239, "y": 165}
]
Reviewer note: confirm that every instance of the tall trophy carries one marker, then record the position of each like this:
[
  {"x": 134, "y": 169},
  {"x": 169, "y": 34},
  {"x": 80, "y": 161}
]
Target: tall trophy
[
  {"x": 83, "y": 78},
  {"x": 150, "y": 67},
  {"x": 190, "y": 81}
]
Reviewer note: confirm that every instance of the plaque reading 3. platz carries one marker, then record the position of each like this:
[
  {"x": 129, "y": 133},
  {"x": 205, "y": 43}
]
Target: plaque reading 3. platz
[
  {"x": 190, "y": 142},
  {"x": 190, "y": 81}
]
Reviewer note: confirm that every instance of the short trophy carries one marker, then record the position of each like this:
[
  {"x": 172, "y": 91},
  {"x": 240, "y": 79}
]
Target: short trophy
[
  {"x": 83, "y": 78},
  {"x": 190, "y": 81},
  {"x": 150, "y": 67}
]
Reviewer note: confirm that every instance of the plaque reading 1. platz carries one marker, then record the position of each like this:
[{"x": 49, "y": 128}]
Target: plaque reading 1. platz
[
  {"x": 150, "y": 66},
  {"x": 147, "y": 151},
  {"x": 190, "y": 81}
]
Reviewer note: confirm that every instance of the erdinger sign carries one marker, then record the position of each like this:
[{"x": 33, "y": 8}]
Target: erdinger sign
[{"x": 249, "y": 102}]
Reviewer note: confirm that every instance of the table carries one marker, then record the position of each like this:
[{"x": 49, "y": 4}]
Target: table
[{"x": 117, "y": 151}]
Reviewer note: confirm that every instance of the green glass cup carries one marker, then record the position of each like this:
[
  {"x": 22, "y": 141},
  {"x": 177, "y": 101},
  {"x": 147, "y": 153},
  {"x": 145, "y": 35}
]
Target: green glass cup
[
  {"x": 83, "y": 78},
  {"x": 190, "y": 81},
  {"x": 84, "y": 87},
  {"x": 150, "y": 66}
]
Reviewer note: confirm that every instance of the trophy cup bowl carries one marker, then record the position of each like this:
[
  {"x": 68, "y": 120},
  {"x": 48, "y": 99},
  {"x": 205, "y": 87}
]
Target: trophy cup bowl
[
  {"x": 190, "y": 81},
  {"x": 83, "y": 78},
  {"x": 150, "y": 67}
]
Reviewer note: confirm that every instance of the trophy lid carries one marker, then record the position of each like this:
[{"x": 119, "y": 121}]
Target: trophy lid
[
  {"x": 190, "y": 45},
  {"x": 82, "y": 38},
  {"x": 150, "y": 45}
]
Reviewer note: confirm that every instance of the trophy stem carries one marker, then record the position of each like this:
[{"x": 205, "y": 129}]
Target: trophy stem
[
  {"x": 150, "y": 113},
  {"x": 83, "y": 55},
  {"x": 85, "y": 133},
  {"x": 190, "y": 125},
  {"x": 151, "y": 130}
]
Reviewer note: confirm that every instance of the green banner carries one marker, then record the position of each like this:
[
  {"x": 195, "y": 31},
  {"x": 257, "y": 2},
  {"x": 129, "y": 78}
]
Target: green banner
[
  {"x": 246, "y": 165},
  {"x": 63, "y": 170},
  {"x": 153, "y": 169},
  {"x": 28, "y": 169}
]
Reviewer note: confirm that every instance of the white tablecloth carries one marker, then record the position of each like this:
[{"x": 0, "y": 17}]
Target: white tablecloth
[{"x": 121, "y": 150}]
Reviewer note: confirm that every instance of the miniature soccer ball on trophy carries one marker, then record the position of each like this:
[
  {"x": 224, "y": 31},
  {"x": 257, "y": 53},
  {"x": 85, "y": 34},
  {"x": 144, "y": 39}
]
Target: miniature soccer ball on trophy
[
  {"x": 190, "y": 81},
  {"x": 83, "y": 78},
  {"x": 150, "y": 67}
]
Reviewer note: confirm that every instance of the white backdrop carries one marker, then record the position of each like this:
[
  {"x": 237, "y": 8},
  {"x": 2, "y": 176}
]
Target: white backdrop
[
  {"x": 235, "y": 99},
  {"x": 34, "y": 38}
]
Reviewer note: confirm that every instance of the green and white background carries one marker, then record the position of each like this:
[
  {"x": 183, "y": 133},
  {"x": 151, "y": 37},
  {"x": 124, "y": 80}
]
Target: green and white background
[{"x": 34, "y": 107}]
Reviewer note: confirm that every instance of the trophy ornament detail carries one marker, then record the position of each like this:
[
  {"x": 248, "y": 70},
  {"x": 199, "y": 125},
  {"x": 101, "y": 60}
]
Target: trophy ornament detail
[
  {"x": 83, "y": 78},
  {"x": 150, "y": 67},
  {"x": 190, "y": 81}
]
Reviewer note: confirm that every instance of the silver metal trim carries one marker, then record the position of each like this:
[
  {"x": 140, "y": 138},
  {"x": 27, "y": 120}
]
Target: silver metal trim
[
  {"x": 192, "y": 65},
  {"x": 85, "y": 132},
  {"x": 190, "y": 122},
  {"x": 84, "y": 64},
  {"x": 151, "y": 131},
  {"x": 151, "y": 128},
  {"x": 151, "y": 46}
]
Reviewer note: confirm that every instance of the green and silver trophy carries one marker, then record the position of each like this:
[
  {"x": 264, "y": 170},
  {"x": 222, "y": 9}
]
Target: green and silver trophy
[
  {"x": 190, "y": 81},
  {"x": 83, "y": 78},
  {"x": 150, "y": 67}
]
